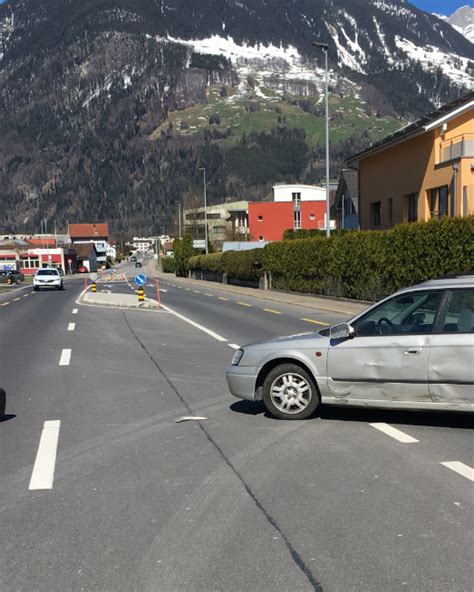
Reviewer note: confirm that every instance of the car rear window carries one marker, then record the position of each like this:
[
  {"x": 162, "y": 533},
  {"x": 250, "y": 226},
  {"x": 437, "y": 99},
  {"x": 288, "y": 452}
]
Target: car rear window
[{"x": 47, "y": 272}]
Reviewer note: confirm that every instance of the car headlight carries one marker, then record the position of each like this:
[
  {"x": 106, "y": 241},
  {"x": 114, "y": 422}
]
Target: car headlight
[{"x": 237, "y": 357}]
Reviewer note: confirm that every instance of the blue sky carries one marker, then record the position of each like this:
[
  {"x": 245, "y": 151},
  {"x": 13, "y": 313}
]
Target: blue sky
[{"x": 440, "y": 6}]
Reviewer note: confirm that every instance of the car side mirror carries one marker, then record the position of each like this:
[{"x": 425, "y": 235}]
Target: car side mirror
[{"x": 342, "y": 331}]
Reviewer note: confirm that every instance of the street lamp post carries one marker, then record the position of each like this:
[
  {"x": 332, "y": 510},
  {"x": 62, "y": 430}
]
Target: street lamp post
[
  {"x": 179, "y": 219},
  {"x": 324, "y": 47},
  {"x": 205, "y": 210}
]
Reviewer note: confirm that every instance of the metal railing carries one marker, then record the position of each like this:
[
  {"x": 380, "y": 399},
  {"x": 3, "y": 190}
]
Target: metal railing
[{"x": 458, "y": 147}]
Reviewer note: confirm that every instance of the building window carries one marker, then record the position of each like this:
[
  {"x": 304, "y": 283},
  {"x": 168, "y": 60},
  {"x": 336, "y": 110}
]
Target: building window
[
  {"x": 296, "y": 219},
  {"x": 465, "y": 202},
  {"x": 376, "y": 213},
  {"x": 296, "y": 198},
  {"x": 312, "y": 217},
  {"x": 260, "y": 218},
  {"x": 443, "y": 201},
  {"x": 439, "y": 202},
  {"x": 260, "y": 238},
  {"x": 412, "y": 200},
  {"x": 390, "y": 212}
]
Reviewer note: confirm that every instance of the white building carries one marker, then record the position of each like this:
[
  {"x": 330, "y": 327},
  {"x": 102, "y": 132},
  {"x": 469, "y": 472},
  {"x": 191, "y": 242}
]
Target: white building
[{"x": 297, "y": 193}]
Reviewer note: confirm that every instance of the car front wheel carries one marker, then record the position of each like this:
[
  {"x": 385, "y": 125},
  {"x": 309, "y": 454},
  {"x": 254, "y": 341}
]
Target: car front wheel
[
  {"x": 35, "y": 288},
  {"x": 289, "y": 392}
]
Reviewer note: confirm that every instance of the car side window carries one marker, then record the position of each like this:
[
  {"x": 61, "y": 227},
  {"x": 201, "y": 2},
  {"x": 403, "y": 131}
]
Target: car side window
[
  {"x": 459, "y": 316},
  {"x": 408, "y": 314}
]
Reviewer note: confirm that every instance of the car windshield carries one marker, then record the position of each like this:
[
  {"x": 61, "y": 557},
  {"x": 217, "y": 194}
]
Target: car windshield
[{"x": 47, "y": 272}]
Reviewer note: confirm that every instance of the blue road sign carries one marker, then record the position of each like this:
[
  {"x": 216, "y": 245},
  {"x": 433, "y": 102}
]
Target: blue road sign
[{"x": 140, "y": 279}]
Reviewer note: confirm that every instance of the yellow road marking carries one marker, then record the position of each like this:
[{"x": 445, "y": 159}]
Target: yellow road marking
[
  {"x": 272, "y": 311},
  {"x": 316, "y": 322},
  {"x": 222, "y": 298},
  {"x": 210, "y": 295},
  {"x": 244, "y": 304}
]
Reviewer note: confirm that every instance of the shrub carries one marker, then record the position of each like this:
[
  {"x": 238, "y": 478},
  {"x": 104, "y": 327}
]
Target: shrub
[
  {"x": 364, "y": 265},
  {"x": 183, "y": 251},
  {"x": 244, "y": 265},
  {"x": 168, "y": 264}
]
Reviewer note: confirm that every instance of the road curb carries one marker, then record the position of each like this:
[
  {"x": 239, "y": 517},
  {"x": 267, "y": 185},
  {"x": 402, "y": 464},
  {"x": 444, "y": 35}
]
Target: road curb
[{"x": 149, "y": 304}]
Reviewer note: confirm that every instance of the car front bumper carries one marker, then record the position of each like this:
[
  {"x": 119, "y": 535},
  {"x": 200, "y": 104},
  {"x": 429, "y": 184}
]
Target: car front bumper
[
  {"x": 241, "y": 381},
  {"x": 55, "y": 284}
]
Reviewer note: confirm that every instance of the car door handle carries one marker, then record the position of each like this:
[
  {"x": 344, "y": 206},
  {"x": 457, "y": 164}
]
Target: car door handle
[{"x": 413, "y": 352}]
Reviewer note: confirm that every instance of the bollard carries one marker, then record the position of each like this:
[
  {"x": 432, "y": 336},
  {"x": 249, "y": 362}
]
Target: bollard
[
  {"x": 141, "y": 295},
  {"x": 94, "y": 287}
]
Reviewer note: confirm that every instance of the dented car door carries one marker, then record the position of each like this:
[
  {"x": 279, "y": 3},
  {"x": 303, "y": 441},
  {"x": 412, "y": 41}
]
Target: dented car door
[
  {"x": 451, "y": 362},
  {"x": 388, "y": 358}
]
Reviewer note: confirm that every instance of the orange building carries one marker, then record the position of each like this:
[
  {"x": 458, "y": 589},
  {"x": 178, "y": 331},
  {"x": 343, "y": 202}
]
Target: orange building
[{"x": 423, "y": 171}]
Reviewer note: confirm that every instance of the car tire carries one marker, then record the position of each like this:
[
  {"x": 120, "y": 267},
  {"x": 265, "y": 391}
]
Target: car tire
[
  {"x": 35, "y": 288},
  {"x": 290, "y": 392},
  {"x": 61, "y": 287}
]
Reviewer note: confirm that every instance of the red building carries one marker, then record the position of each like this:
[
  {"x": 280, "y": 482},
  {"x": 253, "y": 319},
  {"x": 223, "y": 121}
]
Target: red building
[{"x": 294, "y": 208}]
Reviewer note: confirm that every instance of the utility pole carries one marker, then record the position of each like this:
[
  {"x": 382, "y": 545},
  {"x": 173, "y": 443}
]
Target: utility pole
[
  {"x": 179, "y": 219},
  {"x": 324, "y": 47},
  {"x": 205, "y": 210}
]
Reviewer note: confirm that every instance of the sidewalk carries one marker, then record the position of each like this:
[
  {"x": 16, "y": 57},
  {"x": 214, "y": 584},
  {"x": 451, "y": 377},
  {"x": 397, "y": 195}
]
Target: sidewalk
[{"x": 349, "y": 307}]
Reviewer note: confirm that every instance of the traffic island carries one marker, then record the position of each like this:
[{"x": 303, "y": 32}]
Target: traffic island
[{"x": 117, "y": 301}]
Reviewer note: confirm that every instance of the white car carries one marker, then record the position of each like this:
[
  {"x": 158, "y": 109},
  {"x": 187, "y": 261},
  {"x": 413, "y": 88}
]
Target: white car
[{"x": 48, "y": 277}]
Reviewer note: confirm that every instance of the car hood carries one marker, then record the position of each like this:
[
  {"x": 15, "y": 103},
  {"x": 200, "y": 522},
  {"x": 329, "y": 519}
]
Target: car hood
[{"x": 289, "y": 341}]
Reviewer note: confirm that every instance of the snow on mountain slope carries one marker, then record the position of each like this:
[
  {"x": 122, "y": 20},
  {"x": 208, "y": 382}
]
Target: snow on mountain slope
[{"x": 463, "y": 21}]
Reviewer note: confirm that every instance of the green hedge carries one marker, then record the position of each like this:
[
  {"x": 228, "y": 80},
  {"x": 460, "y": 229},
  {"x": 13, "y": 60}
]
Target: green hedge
[
  {"x": 168, "y": 264},
  {"x": 244, "y": 265},
  {"x": 364, "y": 265},
  {"x": 292, "y": 234}
]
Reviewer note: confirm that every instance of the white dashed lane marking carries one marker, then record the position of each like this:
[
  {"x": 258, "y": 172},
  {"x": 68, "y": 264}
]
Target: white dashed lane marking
[
  {"x": 460, "y": 468},
  {"x": 43, "y": 470},
  {"x": 394, "y": 433},
  {"x": 233, "y": 345},
  {"x": 74, "y": 311},
  {"x": 65, "y": 358},
  {"x": 71, "y": 327}
]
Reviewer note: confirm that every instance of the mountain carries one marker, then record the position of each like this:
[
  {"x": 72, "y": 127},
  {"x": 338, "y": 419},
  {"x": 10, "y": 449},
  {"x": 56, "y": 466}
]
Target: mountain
[
  {"x": 109, "y": 107},
  {"x": 463, "y": 21}
]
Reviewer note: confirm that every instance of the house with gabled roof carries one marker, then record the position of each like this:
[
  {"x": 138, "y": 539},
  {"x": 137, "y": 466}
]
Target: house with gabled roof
[{"x": 423, "y": 171}]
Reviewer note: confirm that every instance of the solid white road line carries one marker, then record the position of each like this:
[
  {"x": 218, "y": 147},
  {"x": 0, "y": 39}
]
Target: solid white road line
[
  {"x": 460, "y": 468},
  {"x": 74, "y": 311},
  {"x": 71, "y": 326},
  {"x": 65, "y": 358},
  {"x": 233, "y": 345},
  {"x": 43, "y": 471},
  {"x": 196, "y": 325},
  {"x": 394, "y": 433}
]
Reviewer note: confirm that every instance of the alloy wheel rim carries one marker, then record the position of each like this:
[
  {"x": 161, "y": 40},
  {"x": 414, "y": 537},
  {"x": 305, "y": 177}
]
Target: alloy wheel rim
[{"x": 290, "y": 393}]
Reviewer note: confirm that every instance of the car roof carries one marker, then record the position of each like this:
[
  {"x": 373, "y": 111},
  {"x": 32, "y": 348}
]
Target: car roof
[
  {"x": 48, "y": 269},
  {"x": 447, "y": 282}
]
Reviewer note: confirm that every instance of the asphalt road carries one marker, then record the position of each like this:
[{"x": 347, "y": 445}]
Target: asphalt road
[{"x": 122, "y": 498}]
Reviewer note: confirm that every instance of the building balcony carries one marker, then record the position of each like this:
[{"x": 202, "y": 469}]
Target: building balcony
[{"x": 458, "y": 147}]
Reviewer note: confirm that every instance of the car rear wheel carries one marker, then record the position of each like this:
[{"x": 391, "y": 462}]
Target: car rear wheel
[{"x": 289, "y": 392}]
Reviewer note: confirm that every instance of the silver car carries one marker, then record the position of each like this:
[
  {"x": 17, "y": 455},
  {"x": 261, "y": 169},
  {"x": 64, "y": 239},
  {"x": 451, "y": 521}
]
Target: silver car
[{"x": 413, "y": 350}]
